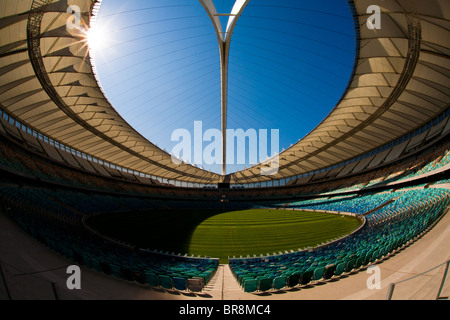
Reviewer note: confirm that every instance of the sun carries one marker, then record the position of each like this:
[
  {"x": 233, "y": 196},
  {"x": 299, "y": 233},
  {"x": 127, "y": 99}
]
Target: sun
[{"x": 96, "y": 38}]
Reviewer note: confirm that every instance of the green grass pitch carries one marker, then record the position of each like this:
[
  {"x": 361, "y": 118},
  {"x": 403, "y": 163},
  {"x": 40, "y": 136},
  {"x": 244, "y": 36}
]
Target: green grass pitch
[{"x": 220, "y": 234}]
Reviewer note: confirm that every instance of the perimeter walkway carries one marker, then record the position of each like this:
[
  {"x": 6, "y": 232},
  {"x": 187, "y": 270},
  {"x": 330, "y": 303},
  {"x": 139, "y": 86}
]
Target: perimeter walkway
[{"x": 30, "y": 268}]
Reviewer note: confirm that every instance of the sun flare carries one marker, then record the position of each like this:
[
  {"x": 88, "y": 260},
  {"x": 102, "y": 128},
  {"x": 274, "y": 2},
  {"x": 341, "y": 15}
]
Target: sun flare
[{"x": 96, "y": 38}]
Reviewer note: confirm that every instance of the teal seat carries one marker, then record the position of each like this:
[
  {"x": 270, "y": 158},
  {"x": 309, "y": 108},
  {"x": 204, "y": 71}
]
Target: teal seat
[
  {"x": 279, "y": 283},
  {"x": 152, "y": 279},
  {"x": 318, "y": 273},
  {"x": 368, "y": 258},
  {"x": 205, "y": 276},
  {"x": 359, "y": 262},
  {"x": 250, "y": 285},
  {"x": 375, "y": 256},
  {"x": 293, "y": 279},
  {"x": 306, "y": 277},
  {"x": 340, "y": 268},
  {"x": 329, "y": 271},
  {"x": 96, "y": 264},
  {"x": 165, "y": 282},
  {"x": 386, "y": 250},
  {"x": 350, "y": 265},
  {"x": 116, "y": 272},
  {"x": 264, "y": 284},
  {"x": 245, "y": 278},
  {"x": 88, "y": 262}
]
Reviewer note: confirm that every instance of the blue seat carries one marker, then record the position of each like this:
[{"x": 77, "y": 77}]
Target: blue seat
[{"x": 179, "y": 283}]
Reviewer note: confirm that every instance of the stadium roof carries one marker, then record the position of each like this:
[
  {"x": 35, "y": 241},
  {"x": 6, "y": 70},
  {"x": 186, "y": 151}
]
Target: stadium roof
[{"x": 400, "y": 82}]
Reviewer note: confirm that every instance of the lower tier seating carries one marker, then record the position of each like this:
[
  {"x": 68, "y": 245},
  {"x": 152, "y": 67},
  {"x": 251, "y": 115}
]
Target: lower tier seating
[
  {"x": 60, "y": 228},
  {"x": 402, "y": 223}
]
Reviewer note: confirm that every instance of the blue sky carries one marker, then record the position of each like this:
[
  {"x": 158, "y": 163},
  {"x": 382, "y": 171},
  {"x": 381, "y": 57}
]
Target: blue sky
[{"x": 290, "y": 63}]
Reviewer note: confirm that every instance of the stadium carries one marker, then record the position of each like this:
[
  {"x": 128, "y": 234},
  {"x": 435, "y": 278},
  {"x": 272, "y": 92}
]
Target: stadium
[{"x": 354, "y": 207}]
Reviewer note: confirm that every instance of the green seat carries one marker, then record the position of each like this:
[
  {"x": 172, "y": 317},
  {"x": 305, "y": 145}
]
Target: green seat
[
  {"x": 350, "y": 265},
  {"x": 359, "y": 262},
  {"x": 165, "y": 282},
  {"x": 386, "y": 250},
  {"x": 245, "y": 278},
  {"x": 264, "y": 284},
  {"x": 293, "y": 279},
  {"x": 375, "y": 256},
  {"x": 204, "y": 276},
  {"x": 318, "y": 273},
  {"x": 250, "y": 285},
  {"x": 279, "y": 282},
  {"x": 152, "y": 279},
  {"x": 329, "y": 271},
  {"x": 306, "y": 277},
  {"x": 96, "y": 264},
  {"x": 340, "y": 268},
  {"x": 338, "y": 262},
  {"x": 116, "y": 272},
  {"x": 88, "y": 262},
  {"x": 368, "y": 258}
]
